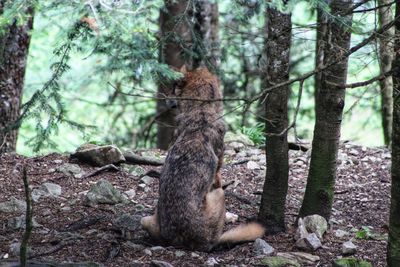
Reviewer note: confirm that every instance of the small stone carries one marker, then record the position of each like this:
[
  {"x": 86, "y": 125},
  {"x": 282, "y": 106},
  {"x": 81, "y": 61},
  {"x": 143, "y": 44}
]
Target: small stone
[
  {"x": 147, "y": 180},
  {"x": 128, "y": 222},
  {"x": 316, "y": 224},
  {"x": 136, "y": 170},
  {"x": 157, "y": 248},
  {"x": 147, "y": 252},
  {"x": 231, "y": 217},
  {"x": 99, "y": 155},
  {"x": 14, "y": 249},
  {"x": 13, "y": 205},
  {"x": 311, "y": 242},
  {"x": 130, "y": 193},
  {"x": 156, "y": 263},
  {"x": 236, "y": 146},
  {"x": 180, "y": 253},
  {"x": 58, "y": 161},
  {"x": 252, "y": 165},
  {"x": 20, "y": 223},
  {"x": 348, "y": 248},
  {"x": 134, "y": 247},
  {"x": 340, "y": 233},
  {"x": 69, "y": 169},
  {"x": 230, "y": 152},
  {"x": 194, "y": 255},
  {"x": 104, "y": 192},
  {"x": 211, "y": 262},
  {"x": 261, "y": 247}
]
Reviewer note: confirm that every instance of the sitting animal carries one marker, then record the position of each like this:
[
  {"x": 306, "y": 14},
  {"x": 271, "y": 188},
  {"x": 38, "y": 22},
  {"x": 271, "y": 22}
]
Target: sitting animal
[{"x": 191, "y": 205}]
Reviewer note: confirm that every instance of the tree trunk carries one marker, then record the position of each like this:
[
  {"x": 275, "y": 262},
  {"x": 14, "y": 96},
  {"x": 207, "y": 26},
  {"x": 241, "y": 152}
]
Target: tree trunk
[
  {"x": 175, "y": 33},
  {"x": 277, "y": 51},
  {"x": 206, "y": 43},
  {"x": 385, "y": 63},
  {"x": 393, "y": 255},
  {"x": 322, "y": 21},
  {"x": 330, "y": 103},
  {"x": 14, "y": 45}
]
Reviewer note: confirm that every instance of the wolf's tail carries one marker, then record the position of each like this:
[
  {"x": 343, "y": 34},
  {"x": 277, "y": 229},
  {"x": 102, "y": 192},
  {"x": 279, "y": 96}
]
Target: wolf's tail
[{"x": 242, "y": 233}]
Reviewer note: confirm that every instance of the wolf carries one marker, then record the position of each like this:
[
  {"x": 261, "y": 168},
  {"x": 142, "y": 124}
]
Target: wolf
[{"x": 191, "y": 205}]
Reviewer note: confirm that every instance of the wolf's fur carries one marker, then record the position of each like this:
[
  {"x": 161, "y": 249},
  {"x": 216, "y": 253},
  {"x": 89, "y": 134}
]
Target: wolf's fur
[{"x": 191, "y": 205}]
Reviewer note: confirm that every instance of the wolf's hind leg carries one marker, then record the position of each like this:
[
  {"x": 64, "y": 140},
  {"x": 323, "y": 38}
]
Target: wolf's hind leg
[
  {"x": 150, "y": 224},
  {"x": 215, "y": 211}
]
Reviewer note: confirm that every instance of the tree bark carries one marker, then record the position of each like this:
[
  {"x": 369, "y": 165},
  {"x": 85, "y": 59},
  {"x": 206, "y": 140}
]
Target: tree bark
[
  {"x": 277, "y": 51},
  {"x": 393, "y": 254},
  {"x": 14, "y": 45},
  {"x": 385, "y": 63},
  {"x": 175, "y": 34},
  {"x": 329, "y": 110}
]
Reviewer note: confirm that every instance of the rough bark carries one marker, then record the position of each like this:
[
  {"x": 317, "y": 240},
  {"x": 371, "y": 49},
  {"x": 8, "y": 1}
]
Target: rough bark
[
  {"x": 322, "y": 21},
  {"x": 329, "y": 110},
  {"x": 206, "y": 45},
  {"x": 393, "y": 255},
  {"x": 175, "y": 33},
  {"x": 385, "y": 63},
  {"x": 14, "y": 45},
  {"x": 277, "y": 50}
]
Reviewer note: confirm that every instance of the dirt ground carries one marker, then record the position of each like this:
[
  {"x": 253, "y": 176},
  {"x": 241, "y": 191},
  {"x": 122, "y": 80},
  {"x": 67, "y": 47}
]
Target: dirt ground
[{"x": 71, "y": 231}]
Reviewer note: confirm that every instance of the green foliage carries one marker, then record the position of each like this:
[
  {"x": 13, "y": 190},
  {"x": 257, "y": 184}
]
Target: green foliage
[
  {"x": 255, "y": 133},
  {"x": 365, "y": 233}
]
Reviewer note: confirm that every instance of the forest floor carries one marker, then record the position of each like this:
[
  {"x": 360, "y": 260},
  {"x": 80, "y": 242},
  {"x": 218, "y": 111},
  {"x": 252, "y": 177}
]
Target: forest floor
[{"x": 70, "y": 231}]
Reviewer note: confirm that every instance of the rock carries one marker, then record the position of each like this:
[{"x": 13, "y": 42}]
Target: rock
[
  {"x": 20, "y": 223},
  {"x": 238, "y": 137},
  {"x": 157, "y": 248},
  {"x": 316, "y": 224},
  {"x": 46, "y": 190},
  {"x": 236, "y": 146},
  {"x": 13, "y": 205},
  {"x": 340, "y": 233},
  {"x": 211, "y": 262},
  {"x": 69, "y": 169},
  {"x": 136, "y": 170},
  {"x": 348, "y": 248},
  {"x": 231, "y": 217},
  {"x": 311, "y": 242},
  {"x": 301, "y": 257},
  {"x": 279, "y": 261},
  {"x": 128, "y": 222},
  {"x": 58, "y": 161},
  {"x": 103, "y": 192},
  {"x": 350, "y": 262},
  {"x": 252, "y": 165},
  {"x": 14, "y": 249},
  {"x": 134, "y": 247},
  {"x": 155, "y": 263},
  {"x": 147, "y": 180},
  {"x": 147, "y": 252},
  {"x": 130, "y": 193},
  {"x": 179, "y": 253},
  {"x": 261, "y": 247},
  {"x": 99, "y": 155},
  {"x": 194, "y": 255},
  {"x": 301, "y": 231}
]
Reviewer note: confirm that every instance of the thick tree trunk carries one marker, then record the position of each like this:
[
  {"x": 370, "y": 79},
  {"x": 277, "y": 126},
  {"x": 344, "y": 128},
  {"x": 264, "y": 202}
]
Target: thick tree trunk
[
  {"x": 330, "y": 103},
  {"x": 385, "y": 63},
  {"x": 206, "y": 45},
  {"x": 277, "y": 50},
  {"x": 393, "y": 255},
  {"x": 14, "y": 45},
  {"x": 175, "y": 33}
]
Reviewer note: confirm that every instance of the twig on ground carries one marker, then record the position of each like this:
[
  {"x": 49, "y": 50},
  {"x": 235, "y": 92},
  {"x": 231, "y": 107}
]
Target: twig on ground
[
  {"x": 28, "y": 219},
  {"x": 227, "y": 184},
  {"x": 240, "y": 197},
  {"x": 101, "y": 169},
  {"x": 62, "y": 245}
]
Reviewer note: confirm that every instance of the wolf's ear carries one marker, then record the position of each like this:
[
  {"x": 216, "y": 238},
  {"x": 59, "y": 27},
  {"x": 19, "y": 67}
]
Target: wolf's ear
[{"x": 183, "y": 69}]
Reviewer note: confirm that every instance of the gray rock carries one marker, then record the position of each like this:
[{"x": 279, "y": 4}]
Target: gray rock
[
  {"x": 128, "y": 222},
  {"x": 157, "y": 248},
  {"x": 236, "y": 146},
  {"x": 20, "y": 223},
  {"x": 147, "y": 180},
  {"x": 179, "y": 253},
  {"x": 340, "y": 233},
  {"x": 130, "y": 193},
  {"x": 252, "y": 165},
  {"x": 155, "y": 263},
  {"x": 103, "y": 192},
  {"x": 134, "y": 247},
  {"x": 261, "y": 247},
  {"x": 348, "y": 248},
  {"x": 301, "y": 257},
  {"x": 211, "y": 262},
  {"x": 301, "y": 231},
  {"x": 14, "y": 249},
  {"x": 136, "y": 170},
  {"x": 316, "y": 224},
  {"x": 46, "y": 190},
  {"x": 311, "y": 242},
  {"x": 231, "y": 217},
  {"x": 69, "y": 169},
  {"x": 58, "y": 161},
  {"x": 13, "y": 205},
  {"x": 147, "y": 252},
  {"x": 99, "y": 155}
]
